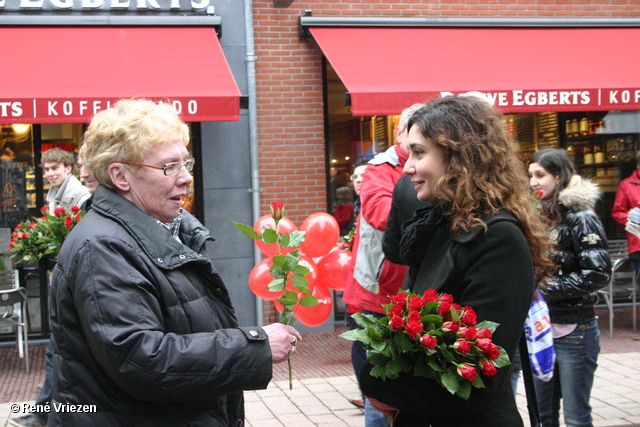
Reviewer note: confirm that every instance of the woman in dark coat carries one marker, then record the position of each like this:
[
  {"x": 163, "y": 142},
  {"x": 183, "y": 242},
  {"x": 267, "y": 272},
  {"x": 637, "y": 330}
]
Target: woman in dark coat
[
  {"x": 583, "y": 267},
  {"x": 479, "y": 240},
  {"x": 143, "y": 324}
]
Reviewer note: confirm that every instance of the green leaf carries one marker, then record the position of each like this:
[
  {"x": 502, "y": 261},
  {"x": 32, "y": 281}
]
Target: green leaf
[
  {"x": 283, "y": 240},
  {"x": 302, "y": 270},
  {"x": 356, "y": 335},
  {"x": 378, "y": 372},
  {"x": 297, "y": 238},
  {"x": 309, "y": 301},
  {"x": 290, "y": 262},
  {"x": 433, "y": 318},
  {"x": 301, "y": 283},
  {"x": 477, "y": 382},
  {"x": 288, "y": 298},
  {"x": 248, "y": 231},
  {"x": 465, "y": 390},
  {"x": 451, "y": 381},
  {"x": 487, "y": 324},
  {"x": 279, "y": 261},
  {"x": 502, "y": 360},
  {"x": 269, "y": 235},
  {"x": 276, "y": 285}
]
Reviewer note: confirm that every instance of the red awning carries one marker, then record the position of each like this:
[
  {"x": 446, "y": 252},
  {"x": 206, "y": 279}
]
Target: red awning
[
  {"x": 67, "y": 74},
  {"x": 522, "y": 69}
]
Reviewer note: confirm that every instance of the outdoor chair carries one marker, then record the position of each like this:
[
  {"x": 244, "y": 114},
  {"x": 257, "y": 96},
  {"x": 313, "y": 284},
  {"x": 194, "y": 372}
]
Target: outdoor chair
[{"x": 13, "y": 311}]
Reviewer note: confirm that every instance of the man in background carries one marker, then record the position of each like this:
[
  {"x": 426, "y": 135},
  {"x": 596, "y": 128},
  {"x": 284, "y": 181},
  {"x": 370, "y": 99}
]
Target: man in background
[
  {"x": 373, "y": 279},
  {"x": 66, "y": 190}
]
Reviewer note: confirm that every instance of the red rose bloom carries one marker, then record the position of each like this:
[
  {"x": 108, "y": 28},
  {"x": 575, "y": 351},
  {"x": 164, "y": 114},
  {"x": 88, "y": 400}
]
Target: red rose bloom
[
  {"x": 396, "y": 323},
  {"x": 416, "y": 303},
  {"x": 277, "y": 210},
  {"x": 24, "y": 235},
  {"x": 446, "y": 298},
  {"x": 413, "y": 328},
  {"x": 414, "y": 316},
  {"x": 539, "y": 194},
  {"x": 429, "y": 341},
  {"x": 467, "y": 371},
  {"x": 468, "y": 333},
  {"x": 469, "y": 316},
  {"x": 488, "y": 368},
  {"x": 396, "y": 310},
  {"x": 443, "y": 308},
  {"x": 463, "y": 347},
  {"x": 488, "y": 348},
  {"x": 68, "y": 223},
  {"x": 78, "y": 217},
  {"x": 430, "y": 295},
  {"x": 400, "y": 299},
  {"x": 33, "y": 224},
  {"x": 483, "y": 333},
  {"x": 59, "y": 212},
  {"x": 75, "y": 209},
  {"x": 44, "y": 209},
  {"x": 450, "y": 326}
]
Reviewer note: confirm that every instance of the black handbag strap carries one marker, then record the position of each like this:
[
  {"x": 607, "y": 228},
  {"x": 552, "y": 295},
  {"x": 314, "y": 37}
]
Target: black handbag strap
[{"x": 527, "y": 374}]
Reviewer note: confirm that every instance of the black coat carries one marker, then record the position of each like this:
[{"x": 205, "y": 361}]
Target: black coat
[
  {"x": 144, "y": 326},
  {"x": 492, "y": 272},
  {"x": 582, "y": 256}
]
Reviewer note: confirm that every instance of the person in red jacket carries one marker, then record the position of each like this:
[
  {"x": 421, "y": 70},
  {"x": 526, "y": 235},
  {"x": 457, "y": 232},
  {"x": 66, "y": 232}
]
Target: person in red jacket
[
  {"x": 372, "y": 279},
  {"x": 627, "y": 198}
]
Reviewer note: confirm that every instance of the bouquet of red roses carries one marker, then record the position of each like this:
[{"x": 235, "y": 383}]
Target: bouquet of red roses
[{"x": 433, "y": 337}]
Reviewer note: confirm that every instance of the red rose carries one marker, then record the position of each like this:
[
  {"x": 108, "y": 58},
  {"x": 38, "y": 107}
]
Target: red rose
[
  {"x": 414, "y": 316},
  {"x": 396, "y": 310},
  {"x": 429, "y": 341},
  {"x": 456, "y": 306},
  {"x": 33, "y": 224},
  {"x": 59, "y": 212},
  {"x": 413, "y": 328},
  {"x": 400, "y": 299},
  {"x": 446, "y": 298},
  {"x": 396, "y": 323},
  {"x": 450, "y": 326},
  {"x": 539, "y": 194},
  {"x": 68, "y": 217},
  {"x": 78, "y": 217},
  {"x": 468, "y": 333},
  {"x": 416, "y": 303},
  {"x": 469, "y": 316},
  {"x": 75, "y": 209},
  {"x": 430, "y": 295},
  {"x": 277, "y": 210},
  {"x": 68, "y": 223},
  {"x": 484, "y": 333},
  {"x": 467, "y": 371},
  {"x": 488, "y": 348},
  {"x": 463, "y": 347},
  {"x": 24, "y": 235},
  {"x": 443, "y": 308},
  {"x": 488, "y": 368},
  {"x": 44, "y": 210},
  {"x": 11, "y": 245}
]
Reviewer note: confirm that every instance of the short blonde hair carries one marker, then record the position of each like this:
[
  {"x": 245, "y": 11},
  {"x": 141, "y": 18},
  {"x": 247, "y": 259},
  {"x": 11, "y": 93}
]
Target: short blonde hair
[{"x": 129, "y": 130}]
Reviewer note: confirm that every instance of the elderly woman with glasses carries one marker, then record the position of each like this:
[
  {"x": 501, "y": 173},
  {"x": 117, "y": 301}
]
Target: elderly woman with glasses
[{"x": 143, "y": 323}]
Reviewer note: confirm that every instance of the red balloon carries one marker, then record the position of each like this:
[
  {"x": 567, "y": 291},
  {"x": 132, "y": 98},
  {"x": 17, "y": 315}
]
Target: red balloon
[
  {"x": 333, "y": 269},
  {"x": 322, "y": 233},
  {"x": 285, "y": 225},
  {"x": 316, "y": 315},
  {"x": 259, "y": 279}
]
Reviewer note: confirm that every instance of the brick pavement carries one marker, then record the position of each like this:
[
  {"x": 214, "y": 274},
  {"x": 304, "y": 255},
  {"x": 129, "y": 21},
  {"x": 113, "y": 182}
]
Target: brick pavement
[{"x": 324, "y": 380}]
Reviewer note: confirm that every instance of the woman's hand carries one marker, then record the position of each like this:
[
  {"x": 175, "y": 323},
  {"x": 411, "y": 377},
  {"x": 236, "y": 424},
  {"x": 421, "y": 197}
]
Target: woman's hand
[
  {"x": 387, "y": 410},
  {"x": 282, "y": 340}
]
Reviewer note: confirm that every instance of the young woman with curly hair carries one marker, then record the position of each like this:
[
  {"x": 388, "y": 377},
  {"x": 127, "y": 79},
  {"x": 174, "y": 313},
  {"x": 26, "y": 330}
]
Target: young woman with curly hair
[{"x": 479, "y": 240}]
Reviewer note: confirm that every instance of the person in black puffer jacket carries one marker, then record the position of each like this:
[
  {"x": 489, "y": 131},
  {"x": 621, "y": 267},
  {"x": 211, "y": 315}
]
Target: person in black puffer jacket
[{"x": 583, "y": 267}]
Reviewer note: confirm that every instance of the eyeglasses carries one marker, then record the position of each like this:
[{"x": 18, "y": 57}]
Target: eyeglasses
[
  {"x": 356, "y": 176},
  {"x": 170, "y": 169}
]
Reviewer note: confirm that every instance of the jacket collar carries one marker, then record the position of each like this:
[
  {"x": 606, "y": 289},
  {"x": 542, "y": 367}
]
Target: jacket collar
[
  {"x": 581, "y": 194},
  {"x": 155, "y": 240}
]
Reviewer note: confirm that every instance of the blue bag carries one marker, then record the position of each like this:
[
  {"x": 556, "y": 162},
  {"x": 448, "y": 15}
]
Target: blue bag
[{"x": 537, "y": 328}]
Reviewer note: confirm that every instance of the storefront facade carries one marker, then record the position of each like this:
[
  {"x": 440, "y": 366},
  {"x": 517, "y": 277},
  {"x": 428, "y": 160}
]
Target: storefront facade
[{"x": 281, "y": 126}]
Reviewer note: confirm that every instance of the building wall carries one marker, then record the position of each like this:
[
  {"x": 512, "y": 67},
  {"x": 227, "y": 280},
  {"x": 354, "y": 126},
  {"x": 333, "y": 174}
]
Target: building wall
[{"x": 289, "y": 80}]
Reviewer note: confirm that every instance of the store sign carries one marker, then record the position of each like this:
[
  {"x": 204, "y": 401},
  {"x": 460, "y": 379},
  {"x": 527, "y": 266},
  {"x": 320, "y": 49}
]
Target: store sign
[
  {"x": 557, "y": 100},
  {"x": 81, "y": 111},
  {"x": 102, "y": 5}
]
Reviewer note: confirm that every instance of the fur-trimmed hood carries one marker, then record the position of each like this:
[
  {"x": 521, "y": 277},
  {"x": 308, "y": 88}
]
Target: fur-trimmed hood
[{"x": 580, "y": 195}]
